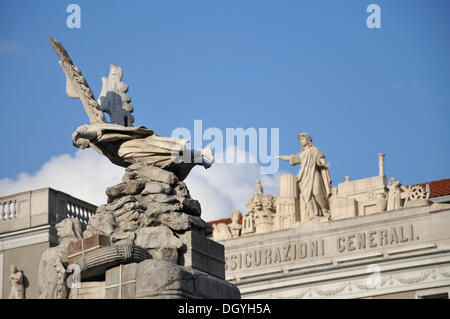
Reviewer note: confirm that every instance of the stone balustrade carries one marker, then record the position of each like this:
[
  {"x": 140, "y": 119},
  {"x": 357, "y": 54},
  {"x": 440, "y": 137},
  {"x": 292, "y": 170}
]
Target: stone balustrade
[
  {"x": 79, "y": 210},
  {"x": 40, "y": 207},
  {"x": 8, "y": 209}
]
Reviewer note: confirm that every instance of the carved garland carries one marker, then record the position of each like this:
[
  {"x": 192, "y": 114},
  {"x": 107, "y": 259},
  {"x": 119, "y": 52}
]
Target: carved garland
[{"x": 361, "y": 285}]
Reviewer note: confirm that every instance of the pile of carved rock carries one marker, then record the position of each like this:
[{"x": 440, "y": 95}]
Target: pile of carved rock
[
  {"x": 150, "y": 232},
  {"x": 149, "y": 208}
]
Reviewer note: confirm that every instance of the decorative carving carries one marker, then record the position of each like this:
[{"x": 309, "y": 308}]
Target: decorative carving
[
  {"x": 113, "y": 100},
  {"x": 52, "y": 267},
  {"x": 76, "y": 85},
  {"x": 259, "y": 188},
  {"x": 394, "y": 195},
  {"x": 221, "y": 232},
  {"x": 416, "y": 195},
  {"x": 17, "y": 286},
  {"x": 96, "y": 262},
  {"x": 261, "y": 208},
  {"x": 235, "y": 227},
  {"x": 356, "y": 286}
]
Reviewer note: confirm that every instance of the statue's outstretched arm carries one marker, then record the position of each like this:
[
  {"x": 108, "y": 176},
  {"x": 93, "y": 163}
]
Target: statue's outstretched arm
[
  {"x": 87, "y": 132},
  {"x": 284, "y": 157}
]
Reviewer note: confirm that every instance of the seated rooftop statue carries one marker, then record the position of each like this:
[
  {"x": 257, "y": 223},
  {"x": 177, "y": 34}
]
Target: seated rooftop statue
[{"x": 126, "y": 145}]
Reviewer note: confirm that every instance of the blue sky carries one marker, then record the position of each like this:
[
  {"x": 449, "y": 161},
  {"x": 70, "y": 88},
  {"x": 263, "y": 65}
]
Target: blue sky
[{"x": 300, "y": 66}]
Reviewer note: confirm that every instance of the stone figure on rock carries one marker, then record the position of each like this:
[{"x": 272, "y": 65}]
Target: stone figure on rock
[
  {"x": 124, "y": 145},
  {"x": 150, "y": 221},
  {"x": 52, "y": 267},
  {"x": 313, "y": 178}
]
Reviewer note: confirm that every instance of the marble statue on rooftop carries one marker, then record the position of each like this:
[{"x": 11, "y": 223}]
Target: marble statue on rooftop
[
  {"x": 394, "y": 195},
  {"x": 313, "y": 178},
  {"x": 259, "y": 188},
  {"x": 121, "y": 144},
  {"x": 235, "y": 227}
]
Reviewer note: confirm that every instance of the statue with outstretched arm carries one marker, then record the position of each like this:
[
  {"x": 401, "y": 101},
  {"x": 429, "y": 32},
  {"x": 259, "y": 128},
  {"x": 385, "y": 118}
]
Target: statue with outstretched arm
[{"x": 313, "y": 178}]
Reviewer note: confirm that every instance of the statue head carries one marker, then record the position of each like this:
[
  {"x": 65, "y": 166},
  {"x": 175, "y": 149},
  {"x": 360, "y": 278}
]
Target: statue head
[
  {"x": 258, "y": 204},
  {"x": 267, "y": 202},
  {"x": 69, "y": 230},
  {"x": 13, "y": 268},
  {"x": 304, "y": 139}
]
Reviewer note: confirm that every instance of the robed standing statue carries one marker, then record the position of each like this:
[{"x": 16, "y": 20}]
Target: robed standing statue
[{"x": 313, "y": 178}]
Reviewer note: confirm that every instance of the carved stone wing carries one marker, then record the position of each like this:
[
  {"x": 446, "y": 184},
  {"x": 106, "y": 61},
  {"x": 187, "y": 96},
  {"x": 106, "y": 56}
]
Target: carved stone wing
[{"x": 76, "y": 85}]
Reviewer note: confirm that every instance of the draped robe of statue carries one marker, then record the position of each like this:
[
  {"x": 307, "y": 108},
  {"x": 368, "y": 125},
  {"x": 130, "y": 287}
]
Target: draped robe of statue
[
  {"x": 128, "y": 145},
  {"x": 314, "y": 181},
  {"x": 394, "y": 195}
]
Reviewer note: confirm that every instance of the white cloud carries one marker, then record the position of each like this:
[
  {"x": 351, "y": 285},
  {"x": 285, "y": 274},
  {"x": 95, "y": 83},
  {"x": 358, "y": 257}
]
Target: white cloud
[
  {"x": 225, "y": 187},
  {"x": 87, "y": 174}
]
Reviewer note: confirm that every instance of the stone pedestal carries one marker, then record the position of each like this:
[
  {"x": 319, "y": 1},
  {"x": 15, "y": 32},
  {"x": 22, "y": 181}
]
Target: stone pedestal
[
  {"x": 201, "y": 253},
  {"x": 158, "y": 243},
  {"x": 88, "y": 290},
  {"x": 121, "y": 282},
  {"x": 159, "y": 279}
]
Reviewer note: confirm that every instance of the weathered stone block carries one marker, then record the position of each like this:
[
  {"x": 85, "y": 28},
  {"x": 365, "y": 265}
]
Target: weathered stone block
[
  {"x": 156, "y": 188},
  {"x": 121, "y": 282},
  {"x": 131, "y": 187},
  {"x": 102, "y": 223},
  {"x": 202, "y": 254},
  {"x": 182, "y": 222},
  {"x": 160, "y": 242},
  {"x": 162, "y": 279},
  {"x": 88, "y": 290}
]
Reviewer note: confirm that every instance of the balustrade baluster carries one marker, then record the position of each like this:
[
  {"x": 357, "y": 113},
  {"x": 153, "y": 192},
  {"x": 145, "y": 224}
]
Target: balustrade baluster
[
  {"x": 7, "y": 212},
  {"x": 2, "y": 211},
  {"x": 14, "y": 209}
]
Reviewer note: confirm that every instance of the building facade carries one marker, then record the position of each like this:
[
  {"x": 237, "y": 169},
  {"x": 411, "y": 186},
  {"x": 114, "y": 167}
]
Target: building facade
[
  {"x": 379, "y": 239},
  {"x": 376, "y": 251},
  {"x": 27, "y": 229}
]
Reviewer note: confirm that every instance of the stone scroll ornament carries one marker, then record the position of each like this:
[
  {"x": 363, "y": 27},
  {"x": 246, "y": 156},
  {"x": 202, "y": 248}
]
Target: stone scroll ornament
[{"x": 124, "y": 145}]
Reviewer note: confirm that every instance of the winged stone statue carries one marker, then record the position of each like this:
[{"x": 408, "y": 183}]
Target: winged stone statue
[{"x": 122, "y": 143}]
